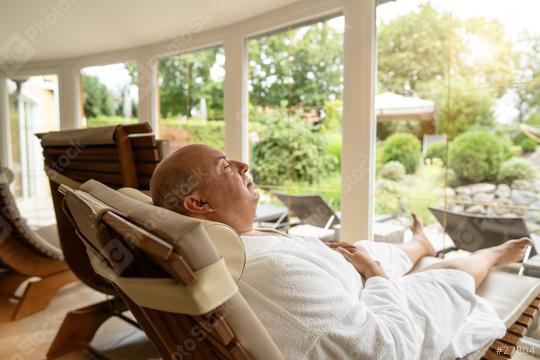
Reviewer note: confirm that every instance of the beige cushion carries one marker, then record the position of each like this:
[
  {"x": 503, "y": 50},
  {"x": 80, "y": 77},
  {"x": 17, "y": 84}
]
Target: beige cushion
[
  {"x": 182, "y": 232},
  {"x": 136, "y": 194},
  {"x": 508, "y": 293}
]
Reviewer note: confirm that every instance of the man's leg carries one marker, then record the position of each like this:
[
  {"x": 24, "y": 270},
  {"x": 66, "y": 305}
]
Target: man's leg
[
  {"x": 420, "y": 245},
  {"x": 482, "y": 261}
]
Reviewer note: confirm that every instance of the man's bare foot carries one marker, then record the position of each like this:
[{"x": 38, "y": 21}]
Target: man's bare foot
[
  {"x": 417, "y": 229},
  {"x": 509, "y": 252}
]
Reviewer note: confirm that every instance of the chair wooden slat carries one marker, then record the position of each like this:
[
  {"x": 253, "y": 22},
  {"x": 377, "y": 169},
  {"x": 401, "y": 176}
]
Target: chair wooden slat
[
  {"x": 115, "y": 180},
  {"x": 101, "y": 166},
  {"x": 146, "y": 155},
  {"x": 143, "y": 141}
]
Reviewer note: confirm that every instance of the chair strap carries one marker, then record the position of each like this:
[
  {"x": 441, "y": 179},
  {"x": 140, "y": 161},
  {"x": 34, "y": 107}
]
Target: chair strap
[{"x": 214, "y": 285}]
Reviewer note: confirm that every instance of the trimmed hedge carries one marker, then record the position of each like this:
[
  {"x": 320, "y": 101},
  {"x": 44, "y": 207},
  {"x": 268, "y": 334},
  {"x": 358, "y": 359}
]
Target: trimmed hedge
[
  {"x": 405, "y": 148},
  {"x": 476, "y": 156}
]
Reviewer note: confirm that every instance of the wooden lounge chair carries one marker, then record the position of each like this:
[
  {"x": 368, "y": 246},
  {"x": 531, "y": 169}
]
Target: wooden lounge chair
[
  {"x": 171, "y": 275},
  {"x": 25, "y": 254},
  {"x": 165, "y": 254},
  {"x": 118, "y": 156}
]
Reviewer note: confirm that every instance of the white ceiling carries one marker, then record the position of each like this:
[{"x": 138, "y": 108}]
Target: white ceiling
[{"x": 59, "y": 29}]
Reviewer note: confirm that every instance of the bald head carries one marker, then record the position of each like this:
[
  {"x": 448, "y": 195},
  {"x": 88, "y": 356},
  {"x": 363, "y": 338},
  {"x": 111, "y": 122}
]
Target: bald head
[
  {"x": 178, "y": 176},
  {"x": 200, "y": 181}
]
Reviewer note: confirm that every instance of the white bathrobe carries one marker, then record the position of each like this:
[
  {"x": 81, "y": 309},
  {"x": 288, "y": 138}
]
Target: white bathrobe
[{"x": 314, "y": 305}]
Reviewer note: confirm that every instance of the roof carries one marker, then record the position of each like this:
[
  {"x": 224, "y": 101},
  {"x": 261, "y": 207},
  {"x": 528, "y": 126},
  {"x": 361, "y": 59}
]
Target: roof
[{"x": 392, "y": 106}]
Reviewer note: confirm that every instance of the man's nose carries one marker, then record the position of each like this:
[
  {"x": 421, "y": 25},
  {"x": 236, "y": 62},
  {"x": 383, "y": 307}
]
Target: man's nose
[{"x": 242, "y": 167}]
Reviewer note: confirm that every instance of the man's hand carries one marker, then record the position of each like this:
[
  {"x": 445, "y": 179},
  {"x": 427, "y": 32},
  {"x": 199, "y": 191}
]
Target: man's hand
[{"x": 361, "y": 261}]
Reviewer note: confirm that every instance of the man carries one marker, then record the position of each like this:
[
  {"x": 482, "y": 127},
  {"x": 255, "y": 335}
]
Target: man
[{"x": 357, "y": 302}]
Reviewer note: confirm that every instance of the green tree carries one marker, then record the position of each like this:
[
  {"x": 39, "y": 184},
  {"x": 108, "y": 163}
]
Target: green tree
[
  {"x": 185, "y": 79},
  {"x": 297, "y": 67},
  {"x": 98, "y": 101},
  {"x": 461, "y": 107},
  {"x": 461, "y": 64},
  {"x": 528, "y": 80}
]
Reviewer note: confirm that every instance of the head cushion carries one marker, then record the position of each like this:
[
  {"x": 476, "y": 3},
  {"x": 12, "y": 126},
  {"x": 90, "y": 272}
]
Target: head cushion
[{"x": 139, "y": 205}]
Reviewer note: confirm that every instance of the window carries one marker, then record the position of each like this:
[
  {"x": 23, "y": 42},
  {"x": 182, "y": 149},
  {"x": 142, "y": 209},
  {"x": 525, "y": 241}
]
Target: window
[
  {"x": 191, "y": 98},
  {"x": 109, "y": 94},
  {"x": 455, "y": 82},
  {"x": 33, "y": 109},
  {"x": 295, "y": 109}
]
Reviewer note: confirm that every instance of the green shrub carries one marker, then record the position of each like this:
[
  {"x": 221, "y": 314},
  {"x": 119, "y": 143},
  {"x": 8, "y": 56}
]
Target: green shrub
[
  {"x": 517, "y": 168},
  {"x": 393, "y": 170},
  {"x": 293, "y": 151},
  {"x": 528, "y": 146},
  {"x": 437, "y": 150},
  {"x": 451, "y": 178},
  {"x": 108, "y": 121},
  {"x": 405, "y": 148},
  {"x": 388, "y": 197},
  {"x": 477, "y": 156},
  {"x": 335, "y": 149},
  {"x": 196, "y": 131}
]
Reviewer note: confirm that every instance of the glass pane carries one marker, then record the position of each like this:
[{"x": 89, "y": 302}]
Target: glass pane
[
  {"x": 33, "y": 109},
  {"x": 109, "y": 94},
  {"x": 295, "y": 110},
  {"x": 191, "y": 98},
  {"x": 478, "y": 69}
]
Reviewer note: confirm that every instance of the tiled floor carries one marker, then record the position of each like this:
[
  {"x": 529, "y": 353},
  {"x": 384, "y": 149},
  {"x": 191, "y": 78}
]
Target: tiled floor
[{"x": 30, "y": 337}]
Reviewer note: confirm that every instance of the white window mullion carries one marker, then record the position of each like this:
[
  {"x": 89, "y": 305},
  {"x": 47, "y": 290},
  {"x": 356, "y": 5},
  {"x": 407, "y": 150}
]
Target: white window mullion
[
  {"x": 358, "y": 161},
  {"x": 69, "y": 94},
  {"x": 147, "y": 77},
  {"x": 235, "y": 97},
  {"x": 5, "y": 140}
]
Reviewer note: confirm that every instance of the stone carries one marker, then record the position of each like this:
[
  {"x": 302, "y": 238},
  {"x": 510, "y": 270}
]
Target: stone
[
  {"x": 482, "y": 188},
  {"x": 463, "y": 190},
  {"x": 457, "y": 208},
  {"x": 484, "y": 197},
  {"x": 503, "y": 191},
  {"x": 521, "y": 184},
  {"x": 532, "y": 216},
  {"x": 464, "y": 197},
  {"x": 509, "y": 215},
  {"x": 476, "y": 209},
  {"x": 523, "y": 197},
  {"x": 532, "y": 226},
  {"x": 449, "y": 192}
]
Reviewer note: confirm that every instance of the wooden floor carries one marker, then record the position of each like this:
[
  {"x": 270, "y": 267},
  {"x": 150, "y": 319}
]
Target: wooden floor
[{"x": 30, "y": 337}]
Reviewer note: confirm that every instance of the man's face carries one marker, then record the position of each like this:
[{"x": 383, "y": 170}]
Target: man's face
[{"x": 227, "y": 187}]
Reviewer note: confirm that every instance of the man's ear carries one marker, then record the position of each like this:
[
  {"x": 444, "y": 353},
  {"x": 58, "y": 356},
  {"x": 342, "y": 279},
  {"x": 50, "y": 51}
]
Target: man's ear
[{"x": 194, "y": 203}]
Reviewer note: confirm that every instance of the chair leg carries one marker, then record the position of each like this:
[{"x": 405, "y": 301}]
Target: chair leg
[
  {"x": 39, "y": 294},
  {"x": 80, "y": 326}
]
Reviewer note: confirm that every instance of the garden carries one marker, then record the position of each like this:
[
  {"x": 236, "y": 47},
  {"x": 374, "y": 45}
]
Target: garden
[{"x": 486, "y": 166}]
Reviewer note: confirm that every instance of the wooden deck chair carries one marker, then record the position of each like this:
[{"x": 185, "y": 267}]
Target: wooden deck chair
[
  {"x": 26, "y": 255},
  {"x": 124, "y": 155},
  {"x": 177, "y": 274},
  {"x": 156, "y": 243}
]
